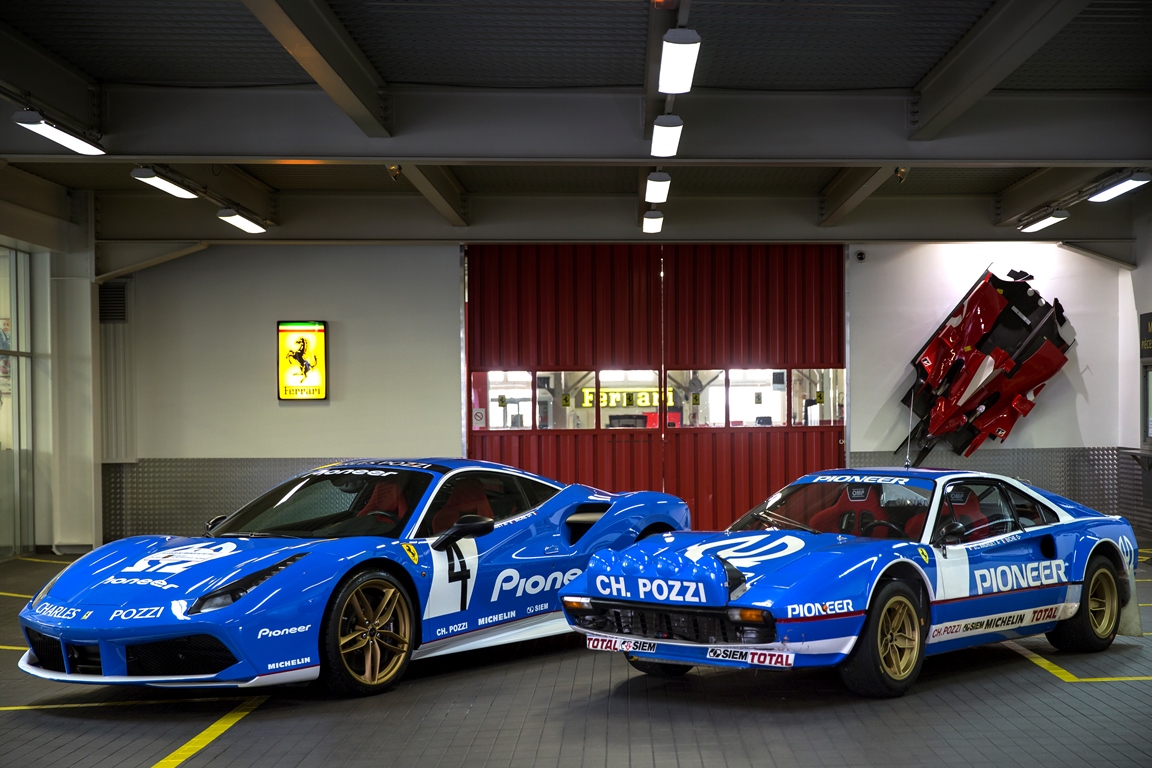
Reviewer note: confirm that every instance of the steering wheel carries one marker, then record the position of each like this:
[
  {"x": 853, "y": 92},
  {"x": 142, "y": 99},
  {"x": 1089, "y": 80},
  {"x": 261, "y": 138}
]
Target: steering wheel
[
  {"x": 885, "y": 523},
  {"x": 390, "y": 516}
]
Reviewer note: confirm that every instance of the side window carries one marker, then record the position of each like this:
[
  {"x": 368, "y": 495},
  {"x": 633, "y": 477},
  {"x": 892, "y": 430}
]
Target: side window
[
  {"x": 494, "y": 495},
  {"x": 1029, "y": 512},
  {"x": 981, "y": 509},
  {"x": 537, "y": 493}
]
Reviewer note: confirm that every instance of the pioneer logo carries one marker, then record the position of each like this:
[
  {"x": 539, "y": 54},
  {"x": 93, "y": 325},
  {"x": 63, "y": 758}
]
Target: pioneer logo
[
  {"x": 281, "y": 632},
  {"x": 510, "y": 579},
  {"x": 142, "y": 582}
]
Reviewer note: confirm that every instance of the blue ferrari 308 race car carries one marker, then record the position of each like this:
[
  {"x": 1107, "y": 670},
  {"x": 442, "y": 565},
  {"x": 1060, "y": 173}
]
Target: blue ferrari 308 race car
[
  {"x": 867, "y": 569},
  {"x": 345, "y": 572}
]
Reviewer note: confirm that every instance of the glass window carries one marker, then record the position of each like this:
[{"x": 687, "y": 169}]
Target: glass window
[
  {"x": 629, "y": 399},
  {"x": 874, "y": 510},
  {"x": 494, "y": 495},
  {"x": 334, "y": 502},
  {"x": 758, "y": 397},
  {"x": 698, "y": 398},
  {"x": 1030, "y": 513},
  {"x": 16, "y": 527},
  {"x": 566, "y": 399},
  {"x": 537, "y": 493},
  {"x": 817, "y": 396},
  {"x": 502, "y": 400},
  {"x": 980, "y": 508}
]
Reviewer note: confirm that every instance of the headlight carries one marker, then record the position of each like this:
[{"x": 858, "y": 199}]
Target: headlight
[
  {"x": 577, "y": 603},
  {"x": 43, "y": 593},
  {"x": 748, "y": 615},
  {"x": 230, "y": 593}
]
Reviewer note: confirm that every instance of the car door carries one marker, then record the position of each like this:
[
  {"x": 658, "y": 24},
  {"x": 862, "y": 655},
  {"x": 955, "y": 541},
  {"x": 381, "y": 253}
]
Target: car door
[{"x": 988, "y": 575}]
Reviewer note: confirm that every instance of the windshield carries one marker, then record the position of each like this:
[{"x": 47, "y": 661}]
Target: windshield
[
  {"x": 876, "y": 510},
  {"x": 333, "y": 502}
]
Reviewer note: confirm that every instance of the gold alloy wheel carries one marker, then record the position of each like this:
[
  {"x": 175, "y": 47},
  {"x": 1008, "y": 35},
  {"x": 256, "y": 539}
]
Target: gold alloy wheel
[
  {"x": 1102, "y": 603},
  {"x": 375, "y": 627},
  {"x": 899, "y": 638}
]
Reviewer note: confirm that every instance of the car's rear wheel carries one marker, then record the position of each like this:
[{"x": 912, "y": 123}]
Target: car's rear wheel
[
  {"x": 368, "y": 635},
  {"x": 890, "y": 650},
  {"x": 1093, "y": 627},
  {"x": 659, "y": 668}
]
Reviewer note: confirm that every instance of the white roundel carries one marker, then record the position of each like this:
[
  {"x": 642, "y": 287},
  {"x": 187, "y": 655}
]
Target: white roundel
[
  {"x": 181, "y": 559},
  {"x": 747, "y": 550}
]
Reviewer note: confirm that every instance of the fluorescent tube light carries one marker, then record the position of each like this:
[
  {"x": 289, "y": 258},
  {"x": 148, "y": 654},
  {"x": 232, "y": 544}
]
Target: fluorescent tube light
[
  {"x": 235, "y": 219},
  {"x": 149, "y": 176},
  {"x": 656, "y": 190},
  {"x": 653, "y": 221},
  {"x": 1138, "y": 179},
  {"x": 37, "y": 123},
  {"x": 666, "y": 135},
  {"x": 1055, "y": 217},
  {"x": 678, "y": 60}
]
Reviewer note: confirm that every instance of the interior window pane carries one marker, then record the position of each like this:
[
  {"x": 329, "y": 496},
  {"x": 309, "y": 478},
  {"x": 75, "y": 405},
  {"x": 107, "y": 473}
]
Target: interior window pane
[
  {"x": 630, "y": 399},
  {"x": 817, "y": 396},
  {"x": 758, "y": 397},
  {"x": 697, "y": 398},
  {"x": 566, "y": 399},
  {"x": 501, "y": 400}
]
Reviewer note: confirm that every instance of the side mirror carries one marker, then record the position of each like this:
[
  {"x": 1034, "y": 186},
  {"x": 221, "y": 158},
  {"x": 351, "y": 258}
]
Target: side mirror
[
  {"x": 951, "y": 530},
  {"x": 467, "y": 527},
  {"x": 208, "y": 526}
]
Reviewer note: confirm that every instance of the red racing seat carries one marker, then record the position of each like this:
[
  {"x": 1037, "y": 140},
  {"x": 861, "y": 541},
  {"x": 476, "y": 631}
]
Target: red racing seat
[
  {"x": 386, "y": 497},
  {"x": 467, "y": 498}
]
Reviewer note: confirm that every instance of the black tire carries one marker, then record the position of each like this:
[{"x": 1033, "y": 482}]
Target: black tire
[
  {"x": 1093, "y": 627},
  {"x": 376, "y": 649},
  {"x": 659, "y": 668},
  {"x": 878, "y": 666}
]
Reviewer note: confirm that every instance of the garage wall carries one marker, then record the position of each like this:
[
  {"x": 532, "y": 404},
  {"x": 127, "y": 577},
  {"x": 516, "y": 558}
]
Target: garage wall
[
  {"x": 205, "y": 329},
  {"x": 211, "y": 433}
]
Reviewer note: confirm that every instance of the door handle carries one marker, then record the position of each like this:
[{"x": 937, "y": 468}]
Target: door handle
[{"x": 551, "y": 549}]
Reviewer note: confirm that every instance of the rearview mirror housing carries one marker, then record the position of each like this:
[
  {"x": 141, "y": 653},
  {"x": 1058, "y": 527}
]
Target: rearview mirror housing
[{"x": 467, "y": 527}]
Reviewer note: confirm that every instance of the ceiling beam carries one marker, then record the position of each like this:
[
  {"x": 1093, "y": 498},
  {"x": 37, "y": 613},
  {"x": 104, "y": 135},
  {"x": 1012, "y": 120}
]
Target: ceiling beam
[
  {"x": 31, "y": 76},
  {"x": 1042, "y": 188},
  {"x": 1007, "y": 36},
  {"x": 477, "y": 126},
  {"x": 847, "y": 190},
  {"x": 311, "y": 33},
  {"x": 35, "y": 212},
  {"x": 441, "y": 188}
]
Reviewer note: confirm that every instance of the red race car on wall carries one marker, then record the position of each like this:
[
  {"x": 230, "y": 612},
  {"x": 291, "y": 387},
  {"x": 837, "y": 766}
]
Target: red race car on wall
[{"x": 981, "y": 370}]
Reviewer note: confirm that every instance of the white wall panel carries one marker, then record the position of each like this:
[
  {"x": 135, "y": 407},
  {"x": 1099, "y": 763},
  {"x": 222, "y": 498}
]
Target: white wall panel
[
  {"x": 900, "y": 294},
  {"x": 205, "y": 329}
]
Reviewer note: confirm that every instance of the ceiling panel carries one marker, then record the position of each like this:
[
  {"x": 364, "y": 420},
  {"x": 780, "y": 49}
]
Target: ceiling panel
[
  {"x": 954, "y": 181},
  {"x": 518, "y": 179},
  {"x": 826, "y": 44},
  {"x": 779, "y": 182},
  {"x": 501, "y": 43},
  {"x": 297, "y": 177},
  {"x": 1105, "y": 47},
  {"x": 173, "y": 42}
]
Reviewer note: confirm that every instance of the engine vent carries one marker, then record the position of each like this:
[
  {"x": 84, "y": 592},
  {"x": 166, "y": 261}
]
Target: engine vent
[{"x": 581, "y": 520}]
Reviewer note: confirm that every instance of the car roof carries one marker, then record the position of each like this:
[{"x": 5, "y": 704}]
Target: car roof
[
  {"x": 923, "y": 473},
  {"x": 441, "y": 465}
]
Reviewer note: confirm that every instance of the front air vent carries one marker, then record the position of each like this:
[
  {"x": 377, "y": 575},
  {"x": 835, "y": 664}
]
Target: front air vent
[
  {"x": 49, "y": 654},
  {"x": 193, "y": 655},
  {"x": 114, "y": 302}
]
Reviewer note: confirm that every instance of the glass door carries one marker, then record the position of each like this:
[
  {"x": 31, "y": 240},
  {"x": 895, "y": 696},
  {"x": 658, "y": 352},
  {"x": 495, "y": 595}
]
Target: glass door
[{"x": 15, "y": 428}]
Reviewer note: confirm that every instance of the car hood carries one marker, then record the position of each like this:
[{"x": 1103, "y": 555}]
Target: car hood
[
  {"x": 172, "y": 567},
  {"x": 767, "y": 561}
]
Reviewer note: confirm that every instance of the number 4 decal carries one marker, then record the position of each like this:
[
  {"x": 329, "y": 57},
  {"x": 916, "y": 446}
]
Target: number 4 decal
[{"x": 452, "y": 579}]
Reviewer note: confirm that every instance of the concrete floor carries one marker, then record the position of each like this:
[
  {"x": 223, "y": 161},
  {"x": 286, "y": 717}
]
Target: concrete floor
[{"x": 552, "y": 703}]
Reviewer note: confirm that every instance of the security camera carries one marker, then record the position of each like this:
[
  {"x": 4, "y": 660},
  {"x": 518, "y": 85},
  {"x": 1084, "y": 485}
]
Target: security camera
[{"x": 860, "y": 255}]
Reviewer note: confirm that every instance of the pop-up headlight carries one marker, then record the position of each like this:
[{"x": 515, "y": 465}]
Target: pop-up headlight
[{"x": 230, "y": 593}]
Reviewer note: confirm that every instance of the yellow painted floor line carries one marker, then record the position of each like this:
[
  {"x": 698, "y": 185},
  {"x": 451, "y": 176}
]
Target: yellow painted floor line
[
  {"x": 12, "y": 648},
  {"x": 88, "y": 705},
  {"x": 209, "y": 734},
  {"x": 13, "y": 594},
  {"x": 1064, "y": 674},
  {"x": 52, "y": 562},
  {"x": 1145, "y": 605}
]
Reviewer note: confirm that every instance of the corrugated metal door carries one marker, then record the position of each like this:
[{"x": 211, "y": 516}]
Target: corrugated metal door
[{"x": 595, "y": 307}]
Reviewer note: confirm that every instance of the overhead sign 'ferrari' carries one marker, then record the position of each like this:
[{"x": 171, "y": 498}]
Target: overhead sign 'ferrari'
[
  {"x": 346, "y": 572},
  {"x": 869, "y": 570}
]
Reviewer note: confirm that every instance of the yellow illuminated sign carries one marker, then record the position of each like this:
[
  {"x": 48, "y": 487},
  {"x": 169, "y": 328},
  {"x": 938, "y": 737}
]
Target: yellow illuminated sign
[
  {"x": 642, "y": 397},
  {"x": 303, "y": 361}
]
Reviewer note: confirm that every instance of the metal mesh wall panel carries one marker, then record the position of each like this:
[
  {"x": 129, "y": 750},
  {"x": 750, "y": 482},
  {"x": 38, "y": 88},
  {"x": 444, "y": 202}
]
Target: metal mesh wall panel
[
  {"x": 1091, "y": 476},
  {"x": 1134, "y": 495},
  {"x": 177, "y": 496}
]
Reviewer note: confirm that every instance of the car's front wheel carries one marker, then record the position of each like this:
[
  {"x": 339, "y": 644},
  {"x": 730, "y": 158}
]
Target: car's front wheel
[
  {"x": 368, "y": 635},
  {"x": 659, "y": 668},
  {"x": 1093, "y": 627},
  {"x": 890, "y": 650}
]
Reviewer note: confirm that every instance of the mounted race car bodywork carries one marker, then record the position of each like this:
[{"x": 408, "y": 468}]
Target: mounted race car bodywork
[
  {"x": 870, "y": 570},
  {"x": 347, "y": 571},
  {"x": 982, "y": 369}
]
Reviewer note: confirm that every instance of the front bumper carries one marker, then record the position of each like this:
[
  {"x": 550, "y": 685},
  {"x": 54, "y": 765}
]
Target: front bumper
[{"x": 781, "y": 655}]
